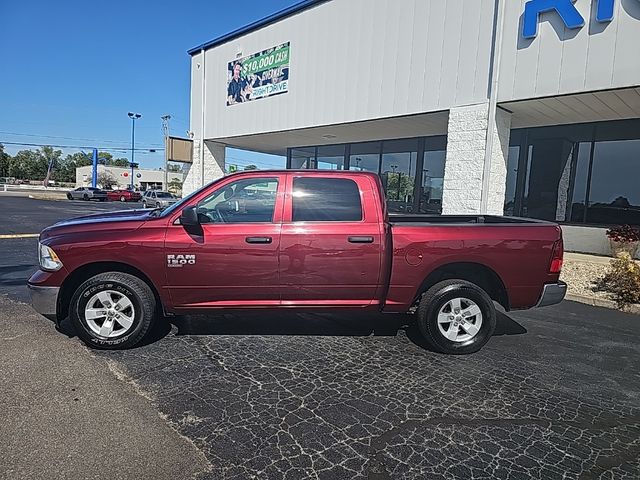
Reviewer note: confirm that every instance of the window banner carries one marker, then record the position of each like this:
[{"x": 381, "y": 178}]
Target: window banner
[{"x": 260, "y": 75}]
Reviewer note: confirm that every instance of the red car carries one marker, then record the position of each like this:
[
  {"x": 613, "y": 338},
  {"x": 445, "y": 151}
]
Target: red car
[
  {"x": 314, "y": 240},
  {"x": 124, "y": 195}
]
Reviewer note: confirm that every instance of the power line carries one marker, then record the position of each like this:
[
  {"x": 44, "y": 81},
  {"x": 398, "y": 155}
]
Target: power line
[
  {"x": 70, "y": 138},
  {"x": 81, "y": 147}
]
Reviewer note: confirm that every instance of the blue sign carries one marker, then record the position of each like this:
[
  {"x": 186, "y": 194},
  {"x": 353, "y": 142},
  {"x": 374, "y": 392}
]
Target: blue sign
[{"x": 567, "y": 12}]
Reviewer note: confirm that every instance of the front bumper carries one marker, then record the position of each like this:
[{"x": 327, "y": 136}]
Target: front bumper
[
  {"x": 552, "y": 293},
  {"x": 44, "y": 300}
]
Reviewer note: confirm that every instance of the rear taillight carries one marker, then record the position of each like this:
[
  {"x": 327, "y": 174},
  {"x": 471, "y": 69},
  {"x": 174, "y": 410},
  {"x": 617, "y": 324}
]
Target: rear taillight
[{"x": 556, "y": 257}]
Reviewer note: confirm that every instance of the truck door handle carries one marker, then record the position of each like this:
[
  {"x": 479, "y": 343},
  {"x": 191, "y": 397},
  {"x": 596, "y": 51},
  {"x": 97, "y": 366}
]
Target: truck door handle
[
  {"x": 360, "y": 239},
  {"x": 258, "y": 239}
]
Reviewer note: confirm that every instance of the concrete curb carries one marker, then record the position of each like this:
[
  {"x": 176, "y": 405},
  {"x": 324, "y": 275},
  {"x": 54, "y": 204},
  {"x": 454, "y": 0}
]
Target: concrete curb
[
  {"x": 48, "y": 197},
  {"x": 599, "y": 302}
]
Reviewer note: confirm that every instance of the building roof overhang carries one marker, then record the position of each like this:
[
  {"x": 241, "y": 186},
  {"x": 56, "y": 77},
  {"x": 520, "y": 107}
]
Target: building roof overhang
[{"x": 276, "y": 17}]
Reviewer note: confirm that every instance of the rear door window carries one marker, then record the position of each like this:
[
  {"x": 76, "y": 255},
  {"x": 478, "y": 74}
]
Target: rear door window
[{"x": 326, "y": 200}]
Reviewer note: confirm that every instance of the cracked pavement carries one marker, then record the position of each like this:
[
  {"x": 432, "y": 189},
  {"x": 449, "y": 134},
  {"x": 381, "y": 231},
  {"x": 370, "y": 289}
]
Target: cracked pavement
[
  {"x": 560, "y": 400},
  {"x": 555, "y": 394}
]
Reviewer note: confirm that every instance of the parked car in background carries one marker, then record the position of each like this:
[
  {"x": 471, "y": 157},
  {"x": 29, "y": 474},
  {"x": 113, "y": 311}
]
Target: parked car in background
[
  {"x": 157, "y": 199},
  {"x": 124, "y": 195},
  {"x": 87, "y": 193}
]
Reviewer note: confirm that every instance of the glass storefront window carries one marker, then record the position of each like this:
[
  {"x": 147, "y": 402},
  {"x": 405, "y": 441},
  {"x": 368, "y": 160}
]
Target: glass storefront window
[
  {"x": 579, "y": 187},
  {"x": 432, "y": 182},
  {"x": 330, "y": 157},
  {"x": 303, "y": 158},
  {"x": 512, "y": 177},
  {"x": 614, "y": 196},
  {"x": 365, "y": 157},
  {"x": 583, "y": 173},
  {"x": 399, "y": 162}
]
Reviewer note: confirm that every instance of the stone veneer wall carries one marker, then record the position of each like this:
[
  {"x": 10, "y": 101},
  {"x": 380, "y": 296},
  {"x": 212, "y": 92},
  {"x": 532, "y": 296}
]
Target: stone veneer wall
[
  {"x": 465, "y": 160},
  {"x": 214, "y": 164}
]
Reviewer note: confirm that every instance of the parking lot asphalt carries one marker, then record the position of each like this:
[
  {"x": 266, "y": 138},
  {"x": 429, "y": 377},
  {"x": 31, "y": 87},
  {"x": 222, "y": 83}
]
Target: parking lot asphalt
[{"x": 555, "y": 393}]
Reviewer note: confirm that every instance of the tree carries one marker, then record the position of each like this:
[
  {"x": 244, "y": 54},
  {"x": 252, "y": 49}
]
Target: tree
[
  {"x": 399, "y": 186},
  {"x": 106, "y": 180},
  {"x": 172, "y": 167},
  {"x": 119, "y": 162},
  {"x": 65, "y": 170},
  {"x": 175, "y": 186},
  {"x": 105, "y": 158},
  {"x": 5, "y": 160},
  {"x": 52, "y": 158},
  {"x": 251, "y": 167},
  {"x": 28, "y": 165},
  {"x": 79, "y": 160}
]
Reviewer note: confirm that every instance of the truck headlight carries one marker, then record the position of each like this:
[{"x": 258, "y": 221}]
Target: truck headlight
[{"x": 48, "y": 258}]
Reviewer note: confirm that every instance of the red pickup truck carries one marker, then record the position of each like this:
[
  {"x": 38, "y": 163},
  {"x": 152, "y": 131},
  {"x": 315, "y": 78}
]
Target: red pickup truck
[{"x": 294, "y": 239}]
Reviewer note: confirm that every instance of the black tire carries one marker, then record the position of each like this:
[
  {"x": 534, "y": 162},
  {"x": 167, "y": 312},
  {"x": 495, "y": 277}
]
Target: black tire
[
  {"x": 136, "y": 290},
  {"x": 123, "y": 198},
  {"x": 69, "y": 196},
  {"x": 144, "y": 204},
  {"x": 437, "y": 297},
  {"x": 85, "y": 197},
  {"x": 158, "y": 205}
]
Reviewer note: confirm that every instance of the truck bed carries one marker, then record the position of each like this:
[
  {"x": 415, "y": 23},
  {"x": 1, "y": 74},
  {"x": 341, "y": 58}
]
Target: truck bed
[
  {"x": 517, "y": 250},
  {"x": 419, "y": 220}
]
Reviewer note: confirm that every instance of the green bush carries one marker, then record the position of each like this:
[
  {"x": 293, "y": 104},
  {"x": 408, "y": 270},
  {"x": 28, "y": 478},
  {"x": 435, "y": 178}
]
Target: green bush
[{"x": 623, "y": 280}]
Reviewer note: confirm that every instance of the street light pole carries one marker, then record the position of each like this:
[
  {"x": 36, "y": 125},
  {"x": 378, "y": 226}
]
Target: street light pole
[{"x": 133, "y": 117}]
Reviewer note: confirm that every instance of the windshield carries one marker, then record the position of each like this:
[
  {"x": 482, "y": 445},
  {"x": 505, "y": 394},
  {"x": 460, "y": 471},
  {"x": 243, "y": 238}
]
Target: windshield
[
  {"x": 172, "y": 208},
  {"x": 164, "y": 195}
]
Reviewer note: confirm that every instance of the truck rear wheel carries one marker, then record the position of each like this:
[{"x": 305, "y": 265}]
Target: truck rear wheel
[
  {"x": 112, "y": 310},
  {"x": 456, "y": 317}
]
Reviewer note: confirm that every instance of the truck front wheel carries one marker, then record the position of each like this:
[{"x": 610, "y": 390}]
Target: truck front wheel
[
  {"x": 112, "y": 310},
  {"x": 456, "y": 317}
]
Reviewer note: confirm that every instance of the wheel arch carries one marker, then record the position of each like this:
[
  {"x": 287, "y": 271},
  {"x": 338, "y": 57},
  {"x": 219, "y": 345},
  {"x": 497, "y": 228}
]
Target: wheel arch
[
  {"x": 84, "y": 272},
  {"x": 482, "y": 275}
]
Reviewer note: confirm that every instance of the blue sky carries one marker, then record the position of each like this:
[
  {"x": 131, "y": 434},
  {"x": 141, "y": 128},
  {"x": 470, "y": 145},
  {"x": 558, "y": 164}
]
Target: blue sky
[{"x": 70, "y": 70}]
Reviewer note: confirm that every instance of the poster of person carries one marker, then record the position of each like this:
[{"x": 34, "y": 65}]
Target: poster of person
[{"x": 260, "y": 75}]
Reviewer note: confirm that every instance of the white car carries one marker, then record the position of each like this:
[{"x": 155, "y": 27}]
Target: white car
[
  {"x": 87, "y": 193},
  {"x": 158, "y": 199}
]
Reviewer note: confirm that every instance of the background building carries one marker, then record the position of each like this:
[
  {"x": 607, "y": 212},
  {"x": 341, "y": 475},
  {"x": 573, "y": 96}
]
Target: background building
[
  {"x": 143, "y": 179},
  {"x": 486, "y": 106}
]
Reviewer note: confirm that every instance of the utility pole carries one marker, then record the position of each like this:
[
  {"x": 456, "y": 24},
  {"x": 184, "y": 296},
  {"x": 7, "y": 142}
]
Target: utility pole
[
  {"x": 94, "y": 168},
  {"x": 133, "y": 117},
  {"x": 165, "y": 132}
]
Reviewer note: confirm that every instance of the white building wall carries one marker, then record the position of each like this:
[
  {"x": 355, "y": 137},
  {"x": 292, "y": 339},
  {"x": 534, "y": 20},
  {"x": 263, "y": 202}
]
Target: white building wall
[
  {"x": 560, "y": 61},
  {"x": 83, "y": 175},
  {"x": 354, "y": 60}
]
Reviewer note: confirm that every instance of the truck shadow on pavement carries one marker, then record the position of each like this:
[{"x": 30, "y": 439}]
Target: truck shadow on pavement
[
  {"x": 352, "y": 324},
  {"x": 261, "y": 323},
  {"x": 15, "y": 275}
]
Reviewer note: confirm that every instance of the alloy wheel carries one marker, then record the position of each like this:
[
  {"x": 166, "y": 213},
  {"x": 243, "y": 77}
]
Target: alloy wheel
[
  {"x": 459, "y": 320},
  {"x": 109, "y": 313}
]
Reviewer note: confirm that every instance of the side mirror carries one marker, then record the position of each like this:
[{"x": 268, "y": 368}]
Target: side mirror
[{"x": 189, "y": 217}]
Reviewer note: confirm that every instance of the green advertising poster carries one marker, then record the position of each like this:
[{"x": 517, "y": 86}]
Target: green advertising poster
[{"x": 263, "y": 74}]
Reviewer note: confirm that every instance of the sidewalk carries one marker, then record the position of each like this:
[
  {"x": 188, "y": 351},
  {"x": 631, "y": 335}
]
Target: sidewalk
[
  {"x": 580, "y": 271},
  {"x": 64, "y": 414}
]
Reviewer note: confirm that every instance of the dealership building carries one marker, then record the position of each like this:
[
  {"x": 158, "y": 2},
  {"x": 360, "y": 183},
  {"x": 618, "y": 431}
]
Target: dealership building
[
  {"x": 143, "y": 179},
  {"x": 527, "y": 108}
]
